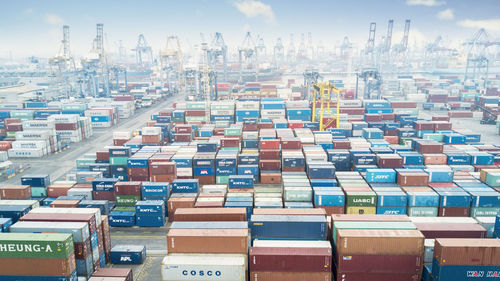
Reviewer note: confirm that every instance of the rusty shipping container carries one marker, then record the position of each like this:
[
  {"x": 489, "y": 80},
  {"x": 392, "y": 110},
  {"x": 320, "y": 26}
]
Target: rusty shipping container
[{"x": 208, "y": 241}]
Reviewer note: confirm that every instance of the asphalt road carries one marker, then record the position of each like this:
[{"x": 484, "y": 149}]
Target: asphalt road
[{"x": 57, "y": 165}]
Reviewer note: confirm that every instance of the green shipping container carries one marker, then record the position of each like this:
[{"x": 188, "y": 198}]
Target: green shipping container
[
  {"x": 484, "y": 211},
  {"x": 268, "y": 195},
  {"x": 422, "y": 211},
  {"x": 178, "y": 119},
  {"x": 124, "y": 209},
  {"x": 298, "y": 194},
  {"x": 84, "y": 163},
  {"x": 222, "y": 124},
  {"x": 361, "y": 199},
  {"x": 36, "y": 245},
  {"x": 222, "y": 179},
  {"x": 118, "y": 161},
  {"x": 405, "y": 141},
  {"x": 196, "y": 118},
  {"x": 38, "y": 192},
  {"x": 232, "y": 132},
  {"x": 493, "y": 179},
  {"x": 222, "y": 106},
  {"x": 369, "y": 225},
  {"x": 11, "y": 135},
  {"x": 436, "y": 137},
  {"x": 127, "y": 200},
  {"x": 196, "y": 106}
]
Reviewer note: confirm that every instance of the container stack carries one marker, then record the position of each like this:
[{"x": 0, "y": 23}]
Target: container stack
[
  {"x": 37, "y": 256},
  {"x": 150, "y": 213},
  {"x": 102, "y": 117},
  {"x": 218, "y": 248},
  {"x": 456, "y": 258},
  {"x": 38, "y": 184}
]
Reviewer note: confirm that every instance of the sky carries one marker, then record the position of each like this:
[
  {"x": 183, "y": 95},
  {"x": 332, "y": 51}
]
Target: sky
[{"x": 34, "y": 27}]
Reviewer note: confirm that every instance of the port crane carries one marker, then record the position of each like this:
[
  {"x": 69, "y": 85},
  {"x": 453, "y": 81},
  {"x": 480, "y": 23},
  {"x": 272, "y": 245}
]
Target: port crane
[
  {"x": 217, "y": 54},
  {"x": 172, "y": 63},
  {"x": 323, "y": 93},
  {"x": 143, "y": 52},
  {"x": 477, "y": 57},
  {"x": 370, "y": 44},
  {"x": 247, "y": 55},
  {"x": 372, "y": 83},
  {"x": 95, "y": 68},
  {"x": 400, "y": 51},
  {"x": 290, "y": 53},
  {"x": 279, "y": 54},
  {"x": 435, "y": 53},
  {"x": 63, "y": 64}
]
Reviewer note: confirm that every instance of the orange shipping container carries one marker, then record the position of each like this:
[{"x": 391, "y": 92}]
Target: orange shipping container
[{"x": 208, "y": 241}]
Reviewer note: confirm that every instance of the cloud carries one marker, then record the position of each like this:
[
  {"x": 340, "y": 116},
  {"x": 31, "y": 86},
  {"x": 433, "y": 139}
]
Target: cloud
[
  {"x": 489, "y": 24},
  {"x": 28, "y": 11},
  {"x": 53, "y": 19},
  {"x": 253, "y": 8},
  {"x": 447, "y": 14},
  {"x": 428, "y": 3}
]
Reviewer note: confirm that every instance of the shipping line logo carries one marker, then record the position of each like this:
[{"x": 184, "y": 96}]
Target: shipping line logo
[
  {"x": 201, "y": 273},
  {"x": 26, "y": 248},
  {"x": 481, "y": 274}
]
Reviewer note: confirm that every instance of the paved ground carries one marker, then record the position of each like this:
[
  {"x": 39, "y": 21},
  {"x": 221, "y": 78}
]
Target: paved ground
[{"x": 59, "y": 164}]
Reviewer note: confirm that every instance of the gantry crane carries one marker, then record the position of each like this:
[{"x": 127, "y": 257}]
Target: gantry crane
[
  {"x": 400, "y": 50},
  {"x": 311, "y": 77},
  {"x": 477, "y": 56},
  {"x": 247, "y": 56},
  {"x": 279, "y": 54},
  {"x": 372, "y": 83},
  {"x": 370, "y": 44},
  {"x": 63, "y": 62},
  {"x": 435, "y": 53},
  {"x": 217, "y": 54},
  {"x": 172, "y": 63},
  {"x": 323, "y": 92},
  {"x": 143, "y": 52},
  {"x": 290, "y": 53},
  {"x": 95, "y": 70}
]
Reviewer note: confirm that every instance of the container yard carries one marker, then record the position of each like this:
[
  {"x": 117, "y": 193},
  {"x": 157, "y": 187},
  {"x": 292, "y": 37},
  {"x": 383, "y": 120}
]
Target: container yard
[{"x": 250, "y": 140}]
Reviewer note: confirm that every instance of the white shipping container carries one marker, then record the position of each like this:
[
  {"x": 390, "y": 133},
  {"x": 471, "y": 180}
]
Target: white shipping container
[
  {"x": 95, "y": 211},
  {"x": 351, "y": 103},
  {"x": 221, "y": 112},
  {"x": 25, "y": 152},
  {"x": 248, "y": 105},
  {"x": 29, "y": 144},
  {"x": 224, "y": 267},
  {"x": 250, "y": 135},
  {"x": 150, "y": 131},
  {"x": 184, "y": 172},
  {"x": 38, "y": 124},
  {"x": 122, "y": 135},
  {"x": 32, "y": 135},
  {"x": 102, "y": 124},
  {"x": 63, "y": 118},
  {"x": 443, "y": 220}
]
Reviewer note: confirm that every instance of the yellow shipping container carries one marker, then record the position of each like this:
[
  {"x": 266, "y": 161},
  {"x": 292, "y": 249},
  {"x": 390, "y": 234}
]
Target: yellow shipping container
[{"x": 361, "y": 210}]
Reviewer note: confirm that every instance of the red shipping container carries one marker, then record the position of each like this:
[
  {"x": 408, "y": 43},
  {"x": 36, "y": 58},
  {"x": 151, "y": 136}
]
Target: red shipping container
[
  {"x": 195, "y": 113},
  {"x": 102, "y": 155},
  {"x": 159, "y": 158},
  {"x": 250, "y": 127},
  {"x": 290, "y": 143},
  {"x": 270, "y": 178},
  {"x": 289, "y": 276},
  {"x": 152, "y": 139},
  {"x": 373, "y": 117},
  {"x": 265, "y": 125},
  {"x": 14, "y": 127},
  {"x": 381, "y": 263},
  {"x": 8, "y": 121},
  {"x": 442, "y": 126},
  {"x": 295, "y": 125},
  {"x": 62, "y": 217},
  {"x": 270, "y": 144},
  {"x": 424, "y": 126},
  {"x": 141, "y": 172},
  {"x": 15, "y": 192},
  {"x": 453, "y": 211},
  {"x": 389, "y": 161},
  {"x": 388, "y": 117},
  {"x": 460, "y": 114},
  {"x": 435, "y": 159},
  {"x": 230, "y": 142},
  {"x": 66, "y": 126},
  {"x": 174, "y": 203},
  {"x": 103, "y": 195},
  {"x": 83, "y": 250},
  {"x": 205, "y": 179},
  {"x": 413, "y": 179},
  {"x": 372, "y": 276},
  {"x": 183, "y": 129},
  {"x": 332, "y": 210},
  {"x": 5, "y": 145},
  {"x": 163, "y": 178},
  {"x": 441, "y": 118},
  {"x": 392, "y": 139},
  {"x": 128, "y": 188},
  {"x": 451, "y": 230},
  {"x": 58, "y": 190},
  {"x": 290, "y": 259},
  {"x": 341, "y": 144},
  {"x": 270, "y": 165},
  {"x": 429, "y": 148},
  {"x": 162, "y": 168},
  {"x": 403, "y": 104},
  {"x": 114, "y": 272},
  {"x": 269, "y": 154},
  {"x": 64, "y": 204}
]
